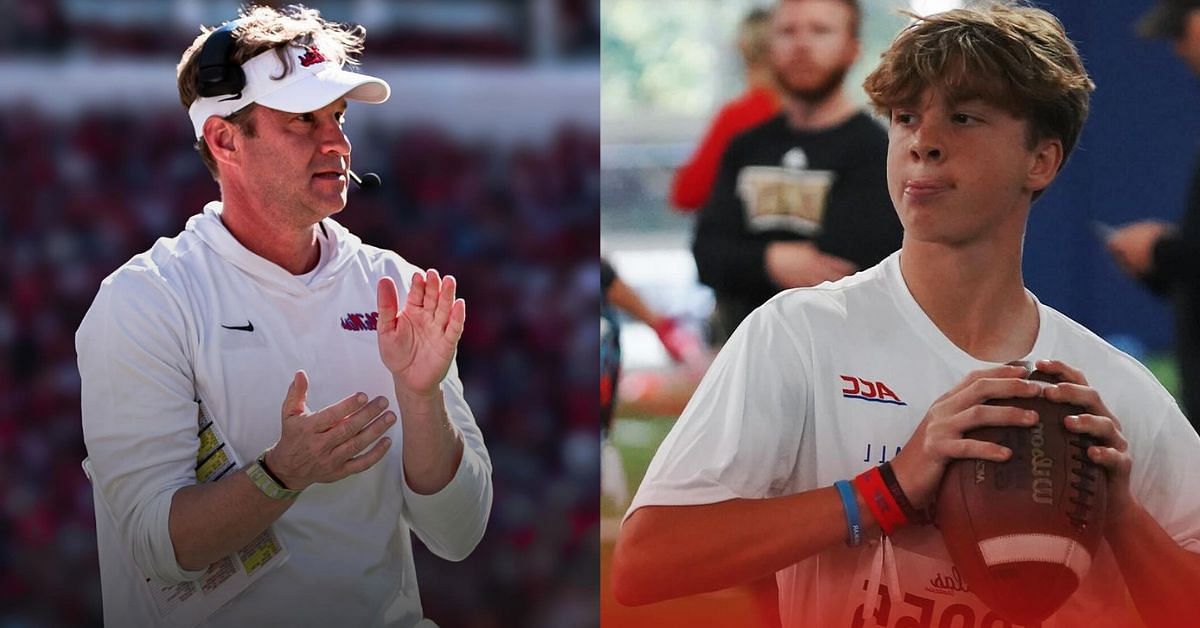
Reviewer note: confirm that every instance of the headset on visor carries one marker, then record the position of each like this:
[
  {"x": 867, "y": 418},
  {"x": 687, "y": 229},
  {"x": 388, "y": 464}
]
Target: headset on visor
[{"x": 217, "y": 75}]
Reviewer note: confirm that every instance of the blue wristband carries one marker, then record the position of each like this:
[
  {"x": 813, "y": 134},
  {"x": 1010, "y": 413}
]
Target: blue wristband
[{"x": 850, "y": 504}]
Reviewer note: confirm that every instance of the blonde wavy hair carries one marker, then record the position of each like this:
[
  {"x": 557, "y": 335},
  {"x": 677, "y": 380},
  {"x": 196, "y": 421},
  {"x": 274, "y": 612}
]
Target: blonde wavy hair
[
  {"x": 1014, "y": 57},
  {"x": 264, "y": 28}
]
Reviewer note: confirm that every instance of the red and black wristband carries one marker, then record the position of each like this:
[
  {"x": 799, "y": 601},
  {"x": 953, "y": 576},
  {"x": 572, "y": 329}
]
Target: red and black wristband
[
  {"x": 893, "y": 486},
  {"x": 879, "y": 500}
]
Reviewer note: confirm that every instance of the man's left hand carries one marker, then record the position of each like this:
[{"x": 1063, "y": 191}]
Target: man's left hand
[
  {"x": 417, "y": 344},
  {"x": 1112, "y": 450}
]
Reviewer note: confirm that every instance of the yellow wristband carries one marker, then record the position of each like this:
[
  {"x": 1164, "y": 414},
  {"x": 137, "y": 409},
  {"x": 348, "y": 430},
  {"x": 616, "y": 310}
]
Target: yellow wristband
[{"x": 267, "y": 484}]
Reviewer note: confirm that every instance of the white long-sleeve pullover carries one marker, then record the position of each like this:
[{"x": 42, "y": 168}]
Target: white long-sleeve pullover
[{"x": 170, "y": 332}]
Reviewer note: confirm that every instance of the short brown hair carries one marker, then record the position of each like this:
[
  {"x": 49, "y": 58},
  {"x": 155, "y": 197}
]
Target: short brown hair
[
  {"x": 1016, "y": 58},
  {"x": 261, "y": 29},
  {"x": 855, "y": 15}
]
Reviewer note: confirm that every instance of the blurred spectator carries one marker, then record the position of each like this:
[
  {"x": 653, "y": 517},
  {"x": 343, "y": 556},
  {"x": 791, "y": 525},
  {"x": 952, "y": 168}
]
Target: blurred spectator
[
  {"x": 1157, "y": 253},
  {"x": 518, "y": 223},
  {"x": 578, "y": 27},
  {"x": 681, "y": 344},
  {"x": 38, "y": 27},
  {"x": 801, "y": 198},
  {"x": 693, "y": 181}
]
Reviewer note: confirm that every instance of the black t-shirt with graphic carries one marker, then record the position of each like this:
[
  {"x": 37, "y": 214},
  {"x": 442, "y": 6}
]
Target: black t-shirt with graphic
[{"x": 859, "y": 224}]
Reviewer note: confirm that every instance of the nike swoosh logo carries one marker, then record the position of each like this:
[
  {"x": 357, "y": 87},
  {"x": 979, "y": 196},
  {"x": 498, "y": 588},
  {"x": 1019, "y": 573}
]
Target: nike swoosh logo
[{"x": 247, "y": 327}]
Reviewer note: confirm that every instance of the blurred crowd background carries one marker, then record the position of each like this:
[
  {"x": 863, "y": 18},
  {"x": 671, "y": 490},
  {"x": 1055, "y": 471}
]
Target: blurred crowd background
[
  {"x": 491, "y": 30},
  {"x": 99, "y": 164}
]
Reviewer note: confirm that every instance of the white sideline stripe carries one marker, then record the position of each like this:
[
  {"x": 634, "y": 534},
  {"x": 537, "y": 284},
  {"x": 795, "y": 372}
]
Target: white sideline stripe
[{"x": 1039, "y": 548}]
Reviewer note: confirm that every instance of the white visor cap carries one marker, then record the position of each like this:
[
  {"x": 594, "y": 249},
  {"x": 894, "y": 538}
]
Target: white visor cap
[{"x": 312, "y": 83}]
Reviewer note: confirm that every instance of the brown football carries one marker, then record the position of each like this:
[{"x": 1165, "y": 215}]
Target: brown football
[{"x": 1023, "y": 532}]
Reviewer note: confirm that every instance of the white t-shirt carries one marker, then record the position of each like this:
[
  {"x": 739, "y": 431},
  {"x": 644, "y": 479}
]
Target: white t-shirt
[
  {"x": 199, "y": 321},
  {"x": 820, "y": 384}
]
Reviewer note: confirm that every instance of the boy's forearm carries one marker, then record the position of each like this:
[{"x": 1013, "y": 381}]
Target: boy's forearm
[{"x": 671, "y": 551}]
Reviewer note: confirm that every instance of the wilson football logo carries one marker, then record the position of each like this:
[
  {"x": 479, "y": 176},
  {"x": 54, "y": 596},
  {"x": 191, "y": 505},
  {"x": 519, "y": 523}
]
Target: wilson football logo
[
  {"x": 867, "y": 390},
  {"x": 1043, "y": 479}
]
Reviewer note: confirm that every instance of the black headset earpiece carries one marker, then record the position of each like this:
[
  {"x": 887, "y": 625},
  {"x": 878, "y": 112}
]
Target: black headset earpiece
[{"x": 217, "y": 75}]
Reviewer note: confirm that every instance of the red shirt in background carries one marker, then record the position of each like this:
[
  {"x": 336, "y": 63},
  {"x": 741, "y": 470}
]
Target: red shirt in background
[{"x": 694, "y": 180}]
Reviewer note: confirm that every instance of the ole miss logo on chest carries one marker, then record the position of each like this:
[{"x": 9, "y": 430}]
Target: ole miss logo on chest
[
  {"x": 364, "y": 321},
  {"x": 869, "y": 390}
]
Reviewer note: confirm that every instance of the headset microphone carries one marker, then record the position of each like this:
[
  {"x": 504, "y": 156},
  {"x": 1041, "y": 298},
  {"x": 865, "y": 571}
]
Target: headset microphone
[{"x": 368, "y": 181}]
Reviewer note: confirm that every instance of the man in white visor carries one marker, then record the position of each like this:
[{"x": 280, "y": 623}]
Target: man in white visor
[{"x": 271, "y": 407}]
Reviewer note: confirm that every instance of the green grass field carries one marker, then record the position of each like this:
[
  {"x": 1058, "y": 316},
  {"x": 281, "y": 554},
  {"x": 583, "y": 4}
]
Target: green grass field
[
  {"x": 636, "y": 438},
  {"x": 1164, "y": 368}
]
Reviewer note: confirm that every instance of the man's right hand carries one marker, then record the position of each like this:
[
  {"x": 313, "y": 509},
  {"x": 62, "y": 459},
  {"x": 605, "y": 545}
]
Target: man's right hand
[
  {"x": 325, "y": 446},
  {"x": 939, "y": 437},
  {"x": 802, "y": 264}
]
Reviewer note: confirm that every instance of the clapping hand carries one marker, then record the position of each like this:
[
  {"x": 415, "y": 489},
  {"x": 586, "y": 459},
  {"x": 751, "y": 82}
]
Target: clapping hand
[{"x": 418, "y": 343}]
